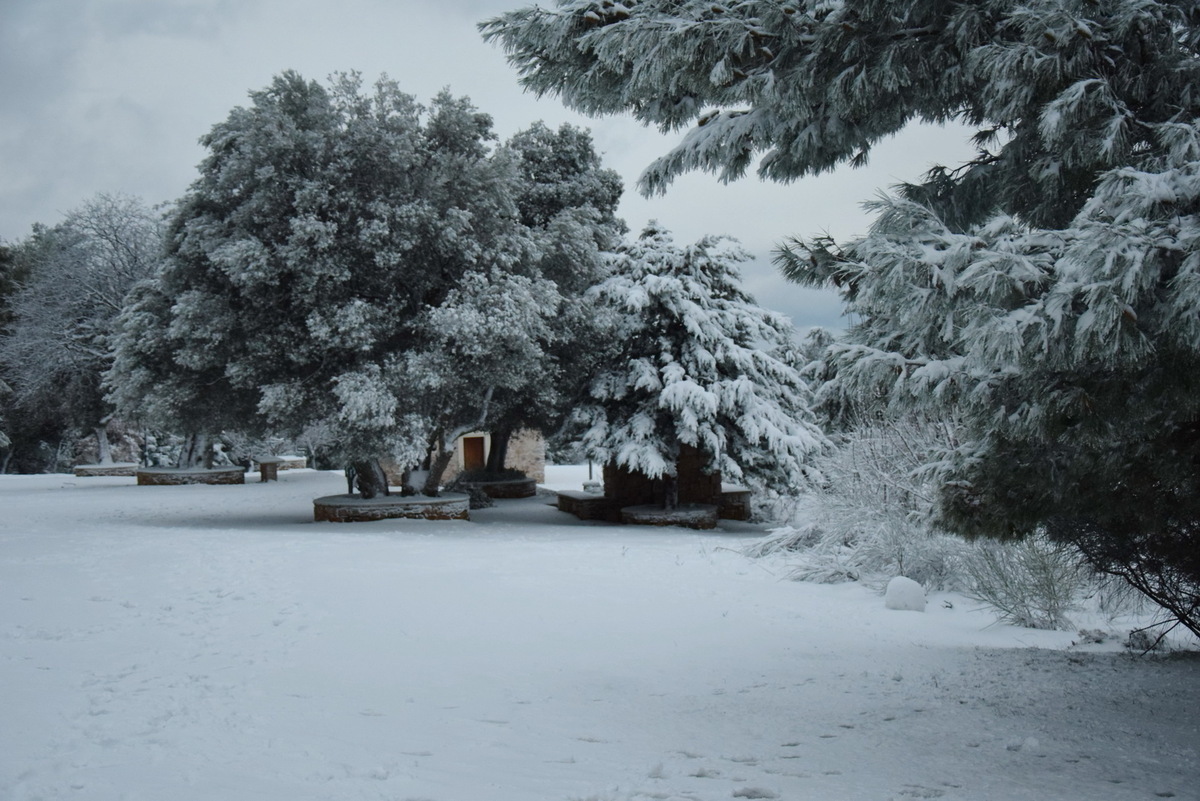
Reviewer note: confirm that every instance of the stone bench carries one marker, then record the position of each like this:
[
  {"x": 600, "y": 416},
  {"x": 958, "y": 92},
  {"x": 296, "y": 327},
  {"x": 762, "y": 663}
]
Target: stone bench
[
  {"x": 506, "y": 488},
  {"x": 585, "y": 505},
  {"x": 355, "y": 509},
  {"x": 268, "y": 468}
]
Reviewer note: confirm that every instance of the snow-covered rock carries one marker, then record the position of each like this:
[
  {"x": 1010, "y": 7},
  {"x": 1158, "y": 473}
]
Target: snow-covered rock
[{"x": 904, "y": 594}]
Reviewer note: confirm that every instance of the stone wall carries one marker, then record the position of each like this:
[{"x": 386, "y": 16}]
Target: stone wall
[
  {"x": 166, "y": 476},
  {"x": 527, "y": 453},
  {"x": 352, "y": 509},
  {"x": 115, "y": 469}
]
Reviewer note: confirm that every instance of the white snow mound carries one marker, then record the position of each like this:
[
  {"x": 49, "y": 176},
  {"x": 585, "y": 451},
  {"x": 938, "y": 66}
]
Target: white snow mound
[{"x": 904, "y": 594}]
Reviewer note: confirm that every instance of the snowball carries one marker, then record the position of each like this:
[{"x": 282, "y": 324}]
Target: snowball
[{"x": 904, "y": 593}]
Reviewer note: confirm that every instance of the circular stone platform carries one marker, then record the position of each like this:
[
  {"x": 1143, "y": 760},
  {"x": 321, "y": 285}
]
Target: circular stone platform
[
  {"x": 507, "y": 488},
  {"x": 355, "y": 509},
  {"x": 114, "y": 469},
  {"x": 164, "y": 476},
  {"x": 692, "y": 515}
]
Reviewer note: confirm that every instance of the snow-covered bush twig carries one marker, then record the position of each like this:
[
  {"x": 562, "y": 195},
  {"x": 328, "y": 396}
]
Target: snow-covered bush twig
[
  {"x": 868, "y": 521},
  {"x": 1033, "y": 583}
]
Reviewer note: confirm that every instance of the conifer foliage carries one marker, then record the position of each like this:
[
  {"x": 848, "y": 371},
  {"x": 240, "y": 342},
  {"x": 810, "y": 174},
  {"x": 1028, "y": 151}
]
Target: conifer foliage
[
  {"x": 696, "y": 363},
  {"x": 1046, "y": 289}
]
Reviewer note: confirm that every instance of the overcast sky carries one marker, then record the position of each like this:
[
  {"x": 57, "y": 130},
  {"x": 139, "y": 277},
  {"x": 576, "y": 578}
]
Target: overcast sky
[{"x": 112, "y": 96}]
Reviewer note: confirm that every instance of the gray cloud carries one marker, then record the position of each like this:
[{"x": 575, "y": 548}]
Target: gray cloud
[{"x": 112, "y": 95}]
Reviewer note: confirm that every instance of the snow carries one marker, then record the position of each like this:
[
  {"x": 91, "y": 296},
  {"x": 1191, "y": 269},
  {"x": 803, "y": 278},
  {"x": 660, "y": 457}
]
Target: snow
[
  {"x": 904, "y": 594},
  {"x": 211, "y": 642}
]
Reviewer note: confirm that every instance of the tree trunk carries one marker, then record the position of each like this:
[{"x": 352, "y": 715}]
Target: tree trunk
[
  {"x": 437, "y": 468},
  {"x": 370, "y": 478},
  {"x": 444, "y": 441},
  {"x": 499, "y": 452},
  {"x": 104, "y": 452},
  {"x": 670, "y": 493},
  {"x": 197, "y": 452}
]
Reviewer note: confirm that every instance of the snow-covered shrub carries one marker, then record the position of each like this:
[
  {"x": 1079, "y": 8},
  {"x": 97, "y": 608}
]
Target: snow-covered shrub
[
  {"x": 1033, "y": 583},
  {"x": 868, "y": 522}
]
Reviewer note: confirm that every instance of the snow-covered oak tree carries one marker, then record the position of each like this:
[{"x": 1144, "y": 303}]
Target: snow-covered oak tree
[
  {"x": 698, "y": 364},
  {"x": 1046, "y": 289},
  {"x": 304, "y": 262},
  {"x": 494, "y": 328},
  {"x": 59, "y": 339},
  {"x": 568, "y": 201}
]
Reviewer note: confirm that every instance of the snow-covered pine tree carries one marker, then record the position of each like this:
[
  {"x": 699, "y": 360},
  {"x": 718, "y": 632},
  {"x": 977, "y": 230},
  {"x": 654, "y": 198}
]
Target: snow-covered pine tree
[
  {"x": 59, "y": 339},
  {"x": 324, "y": 225},
  {"x": 1070, "y": 359},
  {"x": 1045, "y": 288},
  {"x": 1057, "y": 89},
  {"x": 698, "y": 364}
]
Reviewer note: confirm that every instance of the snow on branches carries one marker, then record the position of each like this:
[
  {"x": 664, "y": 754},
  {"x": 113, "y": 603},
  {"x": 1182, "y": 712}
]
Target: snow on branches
[
  {"x": 1055, "y": 88},
  {"x": 698, "y": 364}
]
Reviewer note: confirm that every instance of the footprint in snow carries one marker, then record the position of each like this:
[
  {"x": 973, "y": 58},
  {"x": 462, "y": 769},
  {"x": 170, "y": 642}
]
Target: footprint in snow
[{"x": 743, "y": 760}]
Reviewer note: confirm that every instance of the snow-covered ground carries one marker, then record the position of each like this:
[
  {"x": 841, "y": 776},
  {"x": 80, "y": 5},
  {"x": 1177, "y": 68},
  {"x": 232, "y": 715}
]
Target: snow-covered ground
[{"x": 212, "y": 643}]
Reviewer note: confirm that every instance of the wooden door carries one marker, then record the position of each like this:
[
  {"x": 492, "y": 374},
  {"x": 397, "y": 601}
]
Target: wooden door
[{"x": 473, "y": 453}]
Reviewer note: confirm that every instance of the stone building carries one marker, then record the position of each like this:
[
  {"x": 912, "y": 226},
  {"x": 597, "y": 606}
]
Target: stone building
[{"x": 526, "y": 452}]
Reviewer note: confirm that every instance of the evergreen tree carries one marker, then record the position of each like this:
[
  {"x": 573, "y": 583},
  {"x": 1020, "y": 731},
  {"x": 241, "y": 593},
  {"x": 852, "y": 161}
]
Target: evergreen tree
[
  {"x": 62, "y": 320},
  {"x": 699, "y": 364},
  {"x": 1057, "y": 89},
  {"x": 1045, "y": 289}
]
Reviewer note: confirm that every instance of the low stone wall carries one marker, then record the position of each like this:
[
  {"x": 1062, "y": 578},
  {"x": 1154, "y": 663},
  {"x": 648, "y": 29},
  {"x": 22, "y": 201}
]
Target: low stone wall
[
  {"x": 168, "y": 476},
  {"x": 585, "y": 505},
  {"x": 693, "y": 515},
  {"x": 116, "y": 469},
  {"x": 510, "y": 488},
  {"x": 355, "y": 509}
]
